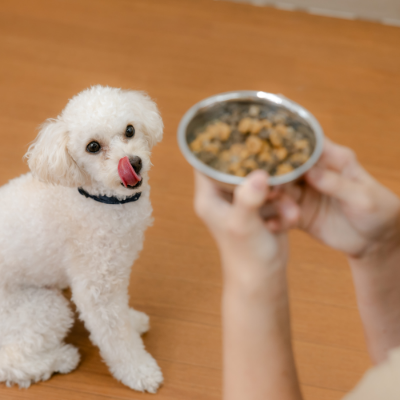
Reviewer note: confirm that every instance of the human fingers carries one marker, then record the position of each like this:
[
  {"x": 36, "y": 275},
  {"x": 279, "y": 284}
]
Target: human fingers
[
  {"x": 250, "y": 196},
  {"x": 335, "y": 156},
  {"x": 342, "y": 159},
  {"x": 209, "y": 202},
  {"x": 295, "y": 190},
  {"x": 288, "y": 214},
  {"x": 339, "y": 187}
]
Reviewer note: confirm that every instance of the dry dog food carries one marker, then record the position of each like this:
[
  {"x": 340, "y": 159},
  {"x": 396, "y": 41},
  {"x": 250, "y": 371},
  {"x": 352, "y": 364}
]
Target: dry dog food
[{"x": 248, "y": 137}]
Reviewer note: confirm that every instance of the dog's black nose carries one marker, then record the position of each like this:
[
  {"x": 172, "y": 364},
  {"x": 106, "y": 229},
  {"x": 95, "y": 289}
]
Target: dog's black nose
[{"x": 136, "y": 163}]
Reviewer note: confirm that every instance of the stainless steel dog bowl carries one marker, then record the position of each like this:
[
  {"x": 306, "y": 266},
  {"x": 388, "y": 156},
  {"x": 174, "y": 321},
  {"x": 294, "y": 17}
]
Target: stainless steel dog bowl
[{"x": 213, "y": 107}]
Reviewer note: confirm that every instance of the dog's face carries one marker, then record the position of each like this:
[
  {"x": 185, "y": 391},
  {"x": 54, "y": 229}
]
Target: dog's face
[{"x": 102, "y": 140}]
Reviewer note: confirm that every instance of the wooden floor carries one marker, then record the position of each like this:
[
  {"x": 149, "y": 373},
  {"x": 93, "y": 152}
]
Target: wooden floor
[{"x": 180, "y": 51}]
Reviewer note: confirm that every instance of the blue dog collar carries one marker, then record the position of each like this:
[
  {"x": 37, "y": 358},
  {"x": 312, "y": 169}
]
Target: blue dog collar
[{"x": 110, "y": 199}]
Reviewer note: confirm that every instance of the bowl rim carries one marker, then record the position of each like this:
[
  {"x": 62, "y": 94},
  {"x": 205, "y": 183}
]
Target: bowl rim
[{"x": 250, "y": 95}]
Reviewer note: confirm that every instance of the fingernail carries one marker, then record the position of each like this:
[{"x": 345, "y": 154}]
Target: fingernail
[
  {"x": 257, "y": 184},
  {"x": 258, "y": 180}
]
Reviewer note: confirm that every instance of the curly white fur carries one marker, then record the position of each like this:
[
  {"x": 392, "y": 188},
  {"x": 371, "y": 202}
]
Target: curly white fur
[{"x": 52, "y": 237}]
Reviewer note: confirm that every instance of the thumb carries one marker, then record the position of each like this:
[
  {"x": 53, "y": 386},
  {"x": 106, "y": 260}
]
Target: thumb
[{"x": 250, "y": 196}]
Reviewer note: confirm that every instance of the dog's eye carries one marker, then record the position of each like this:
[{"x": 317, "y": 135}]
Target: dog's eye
[
  {"x": 93, "y": 147},
  {"x": 130, "y": 131}
]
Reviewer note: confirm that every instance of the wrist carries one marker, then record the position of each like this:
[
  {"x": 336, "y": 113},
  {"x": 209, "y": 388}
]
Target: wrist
[
  {"x": 252, "y": 283},
  {"x": 247, "y": 267},
  {"x": 385, "y": 244},
  {"x": 380, "y": 254},
  {"x": 376, "y": 279}
]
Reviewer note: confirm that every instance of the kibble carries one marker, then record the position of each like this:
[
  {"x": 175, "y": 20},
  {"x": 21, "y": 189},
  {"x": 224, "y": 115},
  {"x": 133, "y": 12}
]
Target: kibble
[
  {"x": 244, "y": 140},
  {"x": 284, "y": 169},
  {"x": 254, "y": 144},
  {"x": 250, "y": 164},
  {"x": 280, "y": 153}
]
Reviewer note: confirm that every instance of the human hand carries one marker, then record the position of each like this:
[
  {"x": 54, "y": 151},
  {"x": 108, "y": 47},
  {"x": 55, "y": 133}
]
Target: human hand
[
  {"x": 248, "y": 247},
  {"x": 344, "y": 207}
]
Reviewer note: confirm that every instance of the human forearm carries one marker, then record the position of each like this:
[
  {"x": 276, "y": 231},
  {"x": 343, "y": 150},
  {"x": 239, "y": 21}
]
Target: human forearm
[
  {"x": 343, "y": 206},
  {"x": 258, "y": 357},
  {"x": 377, "y": 284}
]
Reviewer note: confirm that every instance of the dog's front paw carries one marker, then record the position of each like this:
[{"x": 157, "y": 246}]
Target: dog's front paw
[
  {"x": 143, "y": 375},
  {"x": 140, "y": 321}
]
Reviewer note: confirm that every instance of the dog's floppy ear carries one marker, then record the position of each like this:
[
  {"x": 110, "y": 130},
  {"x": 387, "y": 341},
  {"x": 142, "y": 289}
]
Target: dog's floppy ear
[
  {"x": 153, "y": 126},
  {"x": 151, "y": 119},
  {"x": 48, "y": 156}
]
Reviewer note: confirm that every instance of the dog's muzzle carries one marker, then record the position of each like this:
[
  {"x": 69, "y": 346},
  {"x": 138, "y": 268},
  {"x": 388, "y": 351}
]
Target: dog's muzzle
[{"x": 129, "y": 171}]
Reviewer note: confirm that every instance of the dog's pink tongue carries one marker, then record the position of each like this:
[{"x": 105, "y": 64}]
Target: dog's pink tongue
[{"x": 127, "y": 173}]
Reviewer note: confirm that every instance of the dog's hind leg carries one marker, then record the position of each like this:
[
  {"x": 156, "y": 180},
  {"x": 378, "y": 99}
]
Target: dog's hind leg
[{"x": 33, "y": 324}]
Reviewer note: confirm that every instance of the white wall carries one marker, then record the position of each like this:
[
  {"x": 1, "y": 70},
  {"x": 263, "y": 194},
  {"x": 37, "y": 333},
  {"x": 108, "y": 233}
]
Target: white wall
[{"x": 385, "y": 11}]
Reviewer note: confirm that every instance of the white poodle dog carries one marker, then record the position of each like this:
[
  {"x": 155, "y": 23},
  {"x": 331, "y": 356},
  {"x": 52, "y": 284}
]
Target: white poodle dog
[{"x": 78, "y": 220}]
